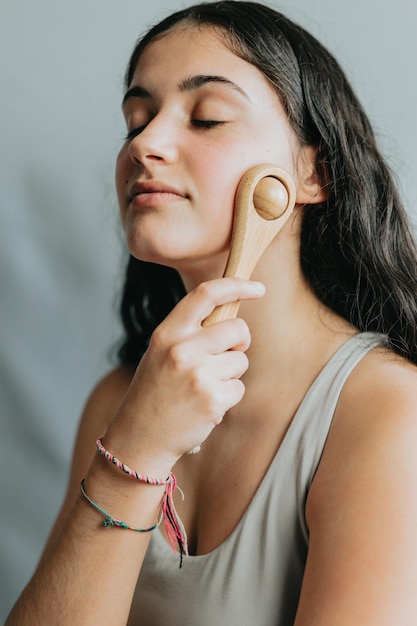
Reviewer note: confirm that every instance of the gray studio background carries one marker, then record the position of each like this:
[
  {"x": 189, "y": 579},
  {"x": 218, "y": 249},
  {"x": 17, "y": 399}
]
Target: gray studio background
[{"x": 61, "y": 69}]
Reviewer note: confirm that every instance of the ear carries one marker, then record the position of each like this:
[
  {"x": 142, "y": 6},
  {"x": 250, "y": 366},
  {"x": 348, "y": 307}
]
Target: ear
[{"x": 311, "y": 189}]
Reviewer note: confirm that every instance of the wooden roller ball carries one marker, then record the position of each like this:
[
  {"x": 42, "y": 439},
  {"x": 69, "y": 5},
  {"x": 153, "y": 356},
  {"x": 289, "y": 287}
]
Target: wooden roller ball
[{"x": 270, "y": 198}]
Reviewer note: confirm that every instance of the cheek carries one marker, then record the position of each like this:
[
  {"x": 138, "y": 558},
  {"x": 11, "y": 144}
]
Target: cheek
[
  {"x": 222, "y": 169},
  {"x": 121, "y": 174}
]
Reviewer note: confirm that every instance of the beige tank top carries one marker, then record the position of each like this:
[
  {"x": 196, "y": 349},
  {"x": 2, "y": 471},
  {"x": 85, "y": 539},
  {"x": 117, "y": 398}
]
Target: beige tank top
[{"x": 254, "y": 577}]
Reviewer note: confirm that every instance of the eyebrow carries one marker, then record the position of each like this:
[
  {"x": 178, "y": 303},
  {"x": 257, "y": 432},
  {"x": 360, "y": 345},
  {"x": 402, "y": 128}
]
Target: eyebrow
[
  {"x": 194, "y": 82},
  {"x": 135, "y": 92},
  {"x": 188, "y": 84}
]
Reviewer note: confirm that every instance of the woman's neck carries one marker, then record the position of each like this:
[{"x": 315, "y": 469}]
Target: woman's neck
[{"x": 293, "y": 333}]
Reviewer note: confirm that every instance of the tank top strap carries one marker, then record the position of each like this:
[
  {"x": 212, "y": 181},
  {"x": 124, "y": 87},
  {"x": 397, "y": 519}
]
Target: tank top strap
[{"x": 310, "y": 427}]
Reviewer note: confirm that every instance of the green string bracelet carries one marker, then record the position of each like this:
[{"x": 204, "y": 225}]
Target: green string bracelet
[{"x": 110, "y": 521}]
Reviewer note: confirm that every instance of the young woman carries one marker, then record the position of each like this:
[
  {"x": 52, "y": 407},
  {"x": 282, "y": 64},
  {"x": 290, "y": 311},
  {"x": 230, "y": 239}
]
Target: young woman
[{"x": 300, "y": 505}]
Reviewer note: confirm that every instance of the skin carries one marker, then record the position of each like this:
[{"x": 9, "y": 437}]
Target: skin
[
  {"x": 219, "y": 385},
  {"x": 170, "y": 146}
]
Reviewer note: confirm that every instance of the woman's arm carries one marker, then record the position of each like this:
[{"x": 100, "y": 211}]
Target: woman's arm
[
  {"x": 70, "y": 582},
  {"x": 186, "y": 381},
  {"x": 362, "y": 508}
]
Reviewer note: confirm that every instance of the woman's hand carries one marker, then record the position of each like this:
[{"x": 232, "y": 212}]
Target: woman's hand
[{"x": 189, "y": 377}]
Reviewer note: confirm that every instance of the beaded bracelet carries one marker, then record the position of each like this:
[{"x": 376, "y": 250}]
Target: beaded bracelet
[
  {"x": 174, "y": 528},
  {"x": 111, "y": 521}
]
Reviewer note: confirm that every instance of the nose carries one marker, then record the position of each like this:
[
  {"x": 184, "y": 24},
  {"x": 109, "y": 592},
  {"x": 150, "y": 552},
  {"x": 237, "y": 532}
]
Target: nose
[{"x": 158, "y": 141}]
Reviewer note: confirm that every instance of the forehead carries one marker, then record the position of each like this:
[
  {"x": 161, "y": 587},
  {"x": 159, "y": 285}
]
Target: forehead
[
  {"x": 185, "y": 36},
  {"x": 189, "y": 49}
]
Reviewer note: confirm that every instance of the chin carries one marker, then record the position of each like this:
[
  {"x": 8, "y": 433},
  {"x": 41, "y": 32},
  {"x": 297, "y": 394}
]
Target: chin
[
  {"x": 158, "y": 255},
  {"x": 186, "y": 257}
]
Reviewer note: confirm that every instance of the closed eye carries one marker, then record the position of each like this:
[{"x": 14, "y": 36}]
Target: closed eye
[
  {"x": 134, "y": 132},
  {"x": 206, "y": 123}
]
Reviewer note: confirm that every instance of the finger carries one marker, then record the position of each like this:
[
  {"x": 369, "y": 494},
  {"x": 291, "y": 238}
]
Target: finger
[
  {"x": 230, "y": 365},
  {"x": 201, "y": 301},
  {"x": 227, "y": 335},
  {"x": 233, "y": 390},
  {"x": 228, "y": 394}
]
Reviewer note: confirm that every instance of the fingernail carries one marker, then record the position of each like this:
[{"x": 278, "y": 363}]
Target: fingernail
[{"x": 260, "y": 287}]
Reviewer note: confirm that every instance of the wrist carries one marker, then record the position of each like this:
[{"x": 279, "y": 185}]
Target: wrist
[
  {"x": 173, "y": 525},
  {"x": 139, "y": 451},
  {"x": 122, "y": 496}
]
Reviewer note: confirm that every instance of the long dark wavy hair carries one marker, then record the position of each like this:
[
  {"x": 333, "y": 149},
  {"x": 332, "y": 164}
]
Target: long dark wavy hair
[{"x": 357, "y": 249}]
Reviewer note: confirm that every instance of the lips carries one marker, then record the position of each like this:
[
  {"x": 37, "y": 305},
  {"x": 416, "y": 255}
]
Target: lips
[{"x": 153, "y": 191}]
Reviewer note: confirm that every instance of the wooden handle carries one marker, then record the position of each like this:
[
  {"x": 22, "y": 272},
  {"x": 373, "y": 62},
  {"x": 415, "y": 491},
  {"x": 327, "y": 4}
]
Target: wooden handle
[{"x": 265, "y": 199}]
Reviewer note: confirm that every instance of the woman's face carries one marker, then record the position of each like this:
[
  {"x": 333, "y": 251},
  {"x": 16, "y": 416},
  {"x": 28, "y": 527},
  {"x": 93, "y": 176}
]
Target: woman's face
[{"x": 198, "y": 117}]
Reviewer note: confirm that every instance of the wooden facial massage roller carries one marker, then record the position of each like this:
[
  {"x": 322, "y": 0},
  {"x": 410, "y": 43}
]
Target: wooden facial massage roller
[{"x": 265, "y": 199}]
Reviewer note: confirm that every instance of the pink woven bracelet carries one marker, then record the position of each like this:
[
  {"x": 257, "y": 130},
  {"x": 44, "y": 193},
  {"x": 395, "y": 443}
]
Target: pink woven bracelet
[
  {"x": 126, "y": 469},
  {"x": 174, "y": 528}
]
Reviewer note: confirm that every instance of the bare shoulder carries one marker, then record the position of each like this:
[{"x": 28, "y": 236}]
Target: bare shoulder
[
  {"x": 383, "y": 384},
  {"x": 107, "y": 394},
  {"x": 376, "y": 414},
  {"x": 99, "y": 410},
  {"x": 362, "y": 506},
  {"x": 377, "y": 401}
]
